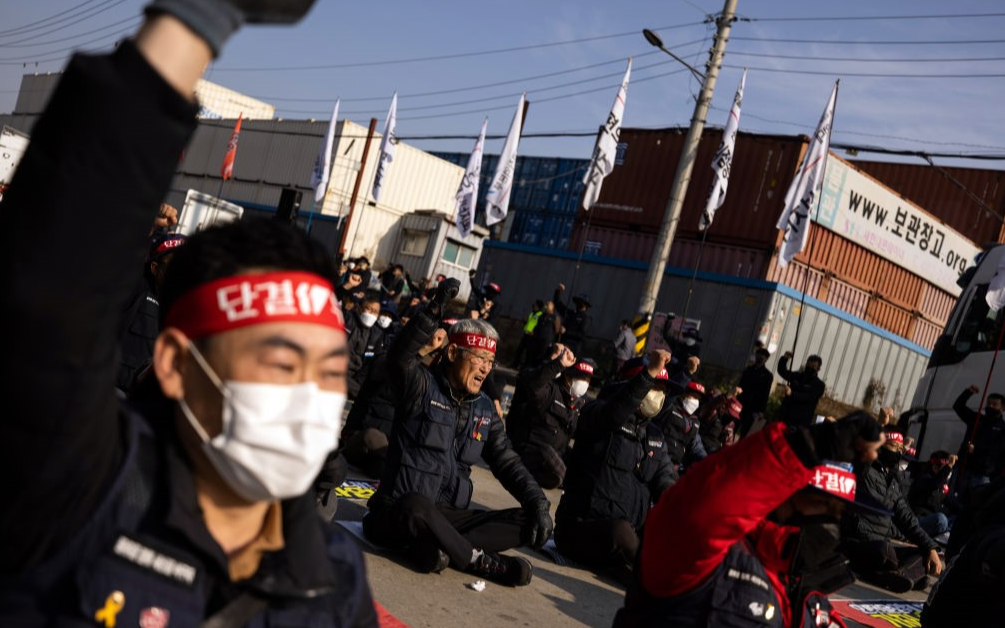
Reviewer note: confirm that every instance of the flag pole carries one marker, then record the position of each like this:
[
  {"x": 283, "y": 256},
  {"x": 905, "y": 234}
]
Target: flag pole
[
  {"x": 694, "y": 276},
  {"x": 310, "y": 217},
  {"x": 582, "y": 249},
  {"x": 355, "y": 190}
]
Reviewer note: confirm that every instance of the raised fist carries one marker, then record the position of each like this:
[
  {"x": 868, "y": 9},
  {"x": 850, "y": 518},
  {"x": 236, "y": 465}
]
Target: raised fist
[
  {"x": 560, "y": 287},
  {"x": 446, "y": 292},
  {"x": 658, "y": 360}
]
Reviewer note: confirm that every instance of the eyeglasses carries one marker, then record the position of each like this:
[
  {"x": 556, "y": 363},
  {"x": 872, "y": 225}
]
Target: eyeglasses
[{"x": 478, "y": 360}]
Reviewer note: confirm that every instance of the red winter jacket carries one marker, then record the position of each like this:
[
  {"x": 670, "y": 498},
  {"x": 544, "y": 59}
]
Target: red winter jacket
[{"x": 721, "y": 501}]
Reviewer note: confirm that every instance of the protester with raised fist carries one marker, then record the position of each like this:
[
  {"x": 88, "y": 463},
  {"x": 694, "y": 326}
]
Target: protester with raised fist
[
  {"x": 618, "y": 467},
  {"x": 444, "y": 424},
  {"x": 192, "y": 504}
]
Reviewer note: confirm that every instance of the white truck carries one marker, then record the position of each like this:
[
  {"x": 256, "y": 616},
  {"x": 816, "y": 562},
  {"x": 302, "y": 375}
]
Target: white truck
[{"x": 202, "y": 210}]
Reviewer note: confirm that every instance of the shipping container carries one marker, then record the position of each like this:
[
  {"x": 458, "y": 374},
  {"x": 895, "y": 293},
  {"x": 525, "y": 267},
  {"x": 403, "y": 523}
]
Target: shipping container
[{"x": 938, "y": 191}]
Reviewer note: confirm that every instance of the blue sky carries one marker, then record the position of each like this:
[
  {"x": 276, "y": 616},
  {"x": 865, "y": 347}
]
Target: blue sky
[{"x": 936, "y": 114}]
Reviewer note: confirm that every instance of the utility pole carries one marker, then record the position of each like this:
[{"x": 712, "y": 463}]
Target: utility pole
[{"x": 654, "y": 276}]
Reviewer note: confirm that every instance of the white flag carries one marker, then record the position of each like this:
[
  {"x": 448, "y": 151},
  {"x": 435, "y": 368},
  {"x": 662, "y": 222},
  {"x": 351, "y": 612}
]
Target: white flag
[
  {"x": 387, "y": 144},
  {"x": 995, "y": 296},
  {"x": 723, "y": 159},
  {"x": 607, "y": 145},
  {"x": 497, "y": 198},
  {"x": 322, "y": 165},
  {"x": 809, "y": 179},
  {"x": 467, "y": 193}
]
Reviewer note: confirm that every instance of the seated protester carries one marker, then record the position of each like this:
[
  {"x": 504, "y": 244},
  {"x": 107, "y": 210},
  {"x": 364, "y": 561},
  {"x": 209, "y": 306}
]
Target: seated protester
[
  {"x": 718, "y": 421},
  {"x": 443, "y": 425},
  {"x": 680, "y": 428},
  {"x": 749, "y": 536},
  {"x": 366, "y": 340},
  {"x": 368, "y": 426},
  {"x": 542, "y": 418},
  {"x": 194, "y": 501},
  {"x": 387, "y": 320},
  {"x": 928, "y": 491},
  {"x": 970, "y": 592},
  {"x": 350, "y": 289},
  {"x": 142, "y": 318},
  {"x": 983, "y": 451},
  {"x": 617, "y": 469},
  {"x": 866, "y": 537}
]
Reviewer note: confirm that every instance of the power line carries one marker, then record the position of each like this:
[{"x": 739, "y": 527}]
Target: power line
[
  {"x": 361, "y": 64},
  {"x": 78, "y": 18},
  {"x": 31, "y": 60},
  {"x": 842, "y": 18},
  {"x": 134, "y": 19},
  {"x": 861, "y": 60},
  {"x": 863, "y": 74},
  {"x": 24, "y": 28},
  {"x": 848, "y": 42}
]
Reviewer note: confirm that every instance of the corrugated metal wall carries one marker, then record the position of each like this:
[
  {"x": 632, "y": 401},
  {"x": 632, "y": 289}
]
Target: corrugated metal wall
[
  {"x": 733, "y": 313},
  {"x": 931, "y": 189}
]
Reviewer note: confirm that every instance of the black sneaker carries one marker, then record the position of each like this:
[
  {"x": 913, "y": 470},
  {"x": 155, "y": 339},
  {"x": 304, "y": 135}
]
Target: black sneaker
[
  {"x": 429, "y": 559},
  {"x": 892, "y": 581},
  {"x": 508, "y": 570}
]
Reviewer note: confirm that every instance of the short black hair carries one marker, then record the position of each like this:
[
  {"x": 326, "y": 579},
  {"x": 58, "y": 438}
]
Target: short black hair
[
  {"x": 815, "y": 358},
  {"x": 239, "y": 246},
  {"x": 997, "y": 396},
  {"x": 762, "y": 351}
]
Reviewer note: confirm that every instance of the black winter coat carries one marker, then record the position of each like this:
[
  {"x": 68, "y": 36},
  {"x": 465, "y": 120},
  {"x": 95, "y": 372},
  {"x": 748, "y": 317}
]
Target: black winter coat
[
  {"x": 800, "y": 407},
  {"x": 928, "y": 490},
  {"x": 882, "y": 486},
  {"x": 755, "y": 382},
  {"x": 543, "y": 412},
  {"x": 989, "y": 444},
  {"x": 619, "y": 466},
  {"x": 365, "y": 343}
]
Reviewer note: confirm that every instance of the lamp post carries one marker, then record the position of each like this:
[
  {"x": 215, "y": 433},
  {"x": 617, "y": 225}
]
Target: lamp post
[{"x": 657, "y": 265}]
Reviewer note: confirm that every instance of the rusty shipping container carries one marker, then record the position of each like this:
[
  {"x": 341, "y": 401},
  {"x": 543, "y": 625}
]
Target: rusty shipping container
[
  {"x": 634, "y": 195},
  {"x": 931, "y": 189}
]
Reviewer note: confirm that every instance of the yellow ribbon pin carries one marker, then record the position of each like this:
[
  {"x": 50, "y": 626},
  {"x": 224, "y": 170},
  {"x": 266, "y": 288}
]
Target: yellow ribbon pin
[{"x": 113, "y": 606}]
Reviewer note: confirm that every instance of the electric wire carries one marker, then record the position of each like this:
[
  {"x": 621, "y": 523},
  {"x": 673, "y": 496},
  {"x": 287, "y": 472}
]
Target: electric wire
[
  {"x": 25, "y": 28},
  {"x": 135, "y": 20}
]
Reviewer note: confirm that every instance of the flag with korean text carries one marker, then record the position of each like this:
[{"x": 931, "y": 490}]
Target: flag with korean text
[
  {"x": 322, "y": 165},
  {"x": 387, "y": 146},
  {"x": 723, "y": 159},
  {"x": 467, "y": 193},
  {"x": 607, "y": 145},
  {"x": 497, "y": 198},
  {"x": 227, "y": 169},
  {"x": 805, "y": 189}
]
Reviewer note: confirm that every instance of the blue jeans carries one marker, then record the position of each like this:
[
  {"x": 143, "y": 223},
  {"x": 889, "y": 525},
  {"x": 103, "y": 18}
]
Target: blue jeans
[{"x": 934, "y": 524}]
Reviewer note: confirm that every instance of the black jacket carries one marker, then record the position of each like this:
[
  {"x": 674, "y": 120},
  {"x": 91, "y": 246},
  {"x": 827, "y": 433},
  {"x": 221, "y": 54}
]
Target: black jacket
[
  {"x": 374, "y": 404},
  {"x": 142, "y": 325},
  {"x": 542, "y": 413},
  {"x": 800, "y": 407},
  {"x": 928, "y": 490},
  {"x": 989, "y": 443},
  {"x": 619, "y": 466},
  {"x": 882, "y": 486},
  {"x": 970, "y": 591},
  {"x": 101, "y": 159},
  {"x": 715, "y": 423},
  {"x": 755, "y": 382},
  {"x": 365, "y": 343},
  {"x": 431, "y": 449},
  {"x": 683, "y": 438},
  {"x": 578, "y": 323}
]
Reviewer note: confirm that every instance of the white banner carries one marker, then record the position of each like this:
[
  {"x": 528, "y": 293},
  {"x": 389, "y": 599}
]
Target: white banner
[
  {"x": 858, "y": 208},
  {"x": 799, "y": 200},
  {"x": 387, "y": 144},
  {"x": 995, "y": 296},
  {"x": 467, "y": 193},
  {"x": 497, "y": 198},
  {"x": 322, "y": 165},
  {"x": 607, "y": 145},
  {"x": 723, "y": 159}
]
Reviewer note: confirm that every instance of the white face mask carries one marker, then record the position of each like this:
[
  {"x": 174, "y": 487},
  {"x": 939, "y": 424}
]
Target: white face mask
[
  {"x": 579, "y": 387},
  {"x": 275, "y": 438},
  {"x": 384, "y": 322},
  {"x": 690, "y": 404},
  {"x": 689, "y": 342},
  {"x": 367, "y": 319},
  {"x": 652, "y": 404}
]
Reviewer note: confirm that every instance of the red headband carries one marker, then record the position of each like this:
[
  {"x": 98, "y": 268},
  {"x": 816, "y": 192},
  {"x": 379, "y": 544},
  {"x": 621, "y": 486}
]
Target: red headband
[
  {"x": 896, "y": 437},
  {"x": 835, "y": 481},
  {"x": 474, "y": 341},
  {"x": 243, "y": 300},
  {"x": 585, "y": 367}
]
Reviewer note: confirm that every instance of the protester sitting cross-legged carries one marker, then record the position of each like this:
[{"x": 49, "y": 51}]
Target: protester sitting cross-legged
[
  {"x": 618, "y": 467},
  {"x": 680, "y": 427},
  {"x": 545, "y": 410},
  {"x": 748, "y": 537},
  {"x": 194, "y": 502},
  {"x": 866, "y": 536},
  {"x": 928, "y": 491},
  {"x": 443, "y": 425}
]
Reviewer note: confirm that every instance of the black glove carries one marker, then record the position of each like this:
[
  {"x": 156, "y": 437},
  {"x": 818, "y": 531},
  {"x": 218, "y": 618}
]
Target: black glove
[
  {"x": 834, "y": 440},
  {"x": 539, "y": 524},
  {"x": 214, "y": 21},
  {"x": 445, "y": 293}
]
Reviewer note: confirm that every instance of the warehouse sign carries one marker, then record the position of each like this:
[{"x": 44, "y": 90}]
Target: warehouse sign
[{"x": 857, "y": 208}]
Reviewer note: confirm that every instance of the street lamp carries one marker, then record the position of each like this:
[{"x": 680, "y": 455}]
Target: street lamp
[
  {"x": 671, "y": 216},
  {"x": 655, "y": 40}
]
